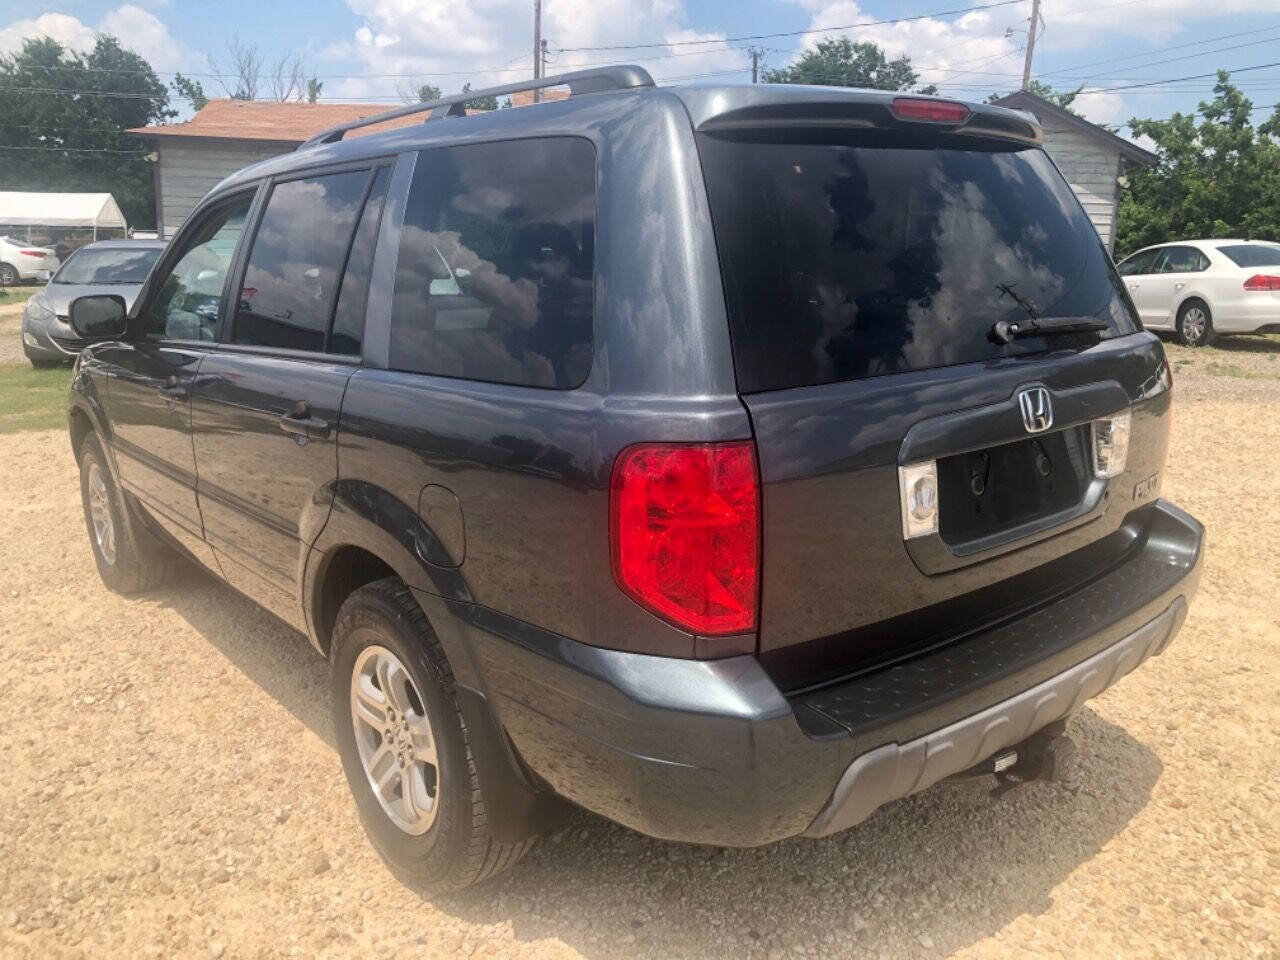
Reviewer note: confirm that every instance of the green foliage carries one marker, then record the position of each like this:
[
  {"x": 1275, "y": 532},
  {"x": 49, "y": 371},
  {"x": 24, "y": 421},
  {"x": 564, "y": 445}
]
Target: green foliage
[
  {"x": 314, "y": 88},
  {"x": 61, "y": 133},
  {"x": 190, "y": 90},
  {"x": 428, "y": 91},
  {"x": 480, "y": 103},
  {"x": 840, "y": 62},
  {"x": 1218, "y": 176},
  {"x": 1061, "y": 98}
]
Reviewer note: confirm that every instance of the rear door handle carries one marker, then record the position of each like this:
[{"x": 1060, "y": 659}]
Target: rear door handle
[{"x": 299, "y": 423}]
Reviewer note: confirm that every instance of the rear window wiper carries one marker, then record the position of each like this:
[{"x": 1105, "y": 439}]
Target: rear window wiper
[{"x": 1006, "y": 331}]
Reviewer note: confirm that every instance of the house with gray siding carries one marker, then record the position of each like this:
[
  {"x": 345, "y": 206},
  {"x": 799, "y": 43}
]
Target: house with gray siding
[
  {"x": 225, "y": 135},
  {"x": 1092, "y": 158}
]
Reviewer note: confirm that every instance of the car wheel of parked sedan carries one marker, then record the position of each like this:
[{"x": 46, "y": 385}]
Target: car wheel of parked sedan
[
  {"x": 129, "y": 558},
  {"x": 1195, "y": 324},
  {"x": 405, "y": 746},
  {"x": 8, "y": 275}
]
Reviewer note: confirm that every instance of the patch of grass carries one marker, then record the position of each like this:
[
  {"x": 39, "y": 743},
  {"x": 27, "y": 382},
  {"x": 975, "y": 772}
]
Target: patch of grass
[
  {"x": 32, "y": 399},
  {"x": 1215, "y": 369},
  {"x": 12, "y": 296}
]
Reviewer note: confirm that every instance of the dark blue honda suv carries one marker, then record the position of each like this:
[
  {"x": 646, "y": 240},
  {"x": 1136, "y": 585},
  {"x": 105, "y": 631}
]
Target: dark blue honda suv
[{"x": 727, "y": 460}]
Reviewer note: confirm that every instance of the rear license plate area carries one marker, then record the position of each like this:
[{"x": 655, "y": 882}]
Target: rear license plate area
[{"x": 990, "y": 491}]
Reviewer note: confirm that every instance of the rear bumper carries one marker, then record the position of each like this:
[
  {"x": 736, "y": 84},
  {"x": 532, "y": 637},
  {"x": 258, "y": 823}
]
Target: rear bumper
[
  {"x": 1250, "y": 314},
  {"x": 712, "y": 752}
]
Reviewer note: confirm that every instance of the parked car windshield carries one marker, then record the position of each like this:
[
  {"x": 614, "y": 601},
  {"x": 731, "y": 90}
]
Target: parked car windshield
[
  {"x": 858, "y": 254},
  {"x": 1253, "y": 255},
  {"x": 112, "y": 265}
]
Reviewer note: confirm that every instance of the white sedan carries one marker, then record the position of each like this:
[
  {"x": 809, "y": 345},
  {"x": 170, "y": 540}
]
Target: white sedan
[
  {"x": 25, "y": 261},
  {"x": 1199, "y": 288}
]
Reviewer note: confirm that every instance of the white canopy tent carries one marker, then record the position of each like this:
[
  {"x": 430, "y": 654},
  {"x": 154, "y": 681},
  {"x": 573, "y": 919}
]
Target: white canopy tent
[{"x": 96, "y": 211}]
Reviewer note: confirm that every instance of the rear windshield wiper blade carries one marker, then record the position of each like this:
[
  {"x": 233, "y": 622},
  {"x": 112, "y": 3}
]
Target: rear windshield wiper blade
[{"x": 1006, "y": 331}]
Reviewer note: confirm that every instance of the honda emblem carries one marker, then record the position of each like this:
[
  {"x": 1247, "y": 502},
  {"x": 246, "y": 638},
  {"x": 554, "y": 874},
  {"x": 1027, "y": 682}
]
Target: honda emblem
[{"x": 1037, "y": 409}]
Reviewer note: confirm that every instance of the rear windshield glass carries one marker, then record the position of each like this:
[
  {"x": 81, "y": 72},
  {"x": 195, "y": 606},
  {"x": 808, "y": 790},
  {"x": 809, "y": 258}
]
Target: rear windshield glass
[
  {"x": 115, "y": 265},
  {"x": 865, "y": 254},
  {"x": 1253, "y": 255}
]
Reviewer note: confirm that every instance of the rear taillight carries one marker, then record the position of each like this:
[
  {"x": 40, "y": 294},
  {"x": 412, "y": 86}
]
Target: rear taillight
[
  {"x": 1263, "y": 281},
  {"x": 1111, "y": 445},
  {"x": 34, "y": 253},
  {"x": 930, "y": 111},
  {"x": 685, "y": 533}
]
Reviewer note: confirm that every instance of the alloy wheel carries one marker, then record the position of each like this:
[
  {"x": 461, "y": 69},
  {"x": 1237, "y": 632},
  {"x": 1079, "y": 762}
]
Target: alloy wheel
[
  {"x": 394, "y": 738},
  {"x": 1193, "y": 325},
  {"x": 104, "y": 530}
]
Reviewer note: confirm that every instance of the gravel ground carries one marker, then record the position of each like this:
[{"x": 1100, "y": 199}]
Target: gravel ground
[{"x": 173, "y": 788}]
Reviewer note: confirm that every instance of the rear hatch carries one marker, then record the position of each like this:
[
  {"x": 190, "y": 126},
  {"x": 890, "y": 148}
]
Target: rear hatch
[{"x": 866, "y": 268}]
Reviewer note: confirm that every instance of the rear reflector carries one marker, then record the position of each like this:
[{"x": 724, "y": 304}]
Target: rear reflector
[
  {"x": 1263, "y": 281},
  {"x": 685, "y": 533},
  {"x": 930, "y": 111}
]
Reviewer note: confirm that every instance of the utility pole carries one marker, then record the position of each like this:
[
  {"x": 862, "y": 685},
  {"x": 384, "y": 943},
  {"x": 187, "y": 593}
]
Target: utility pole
[
  {"x": 756, "y": 54},
  {"x": 539, "y": 48},
  {"x": 1031, "y": 44}
]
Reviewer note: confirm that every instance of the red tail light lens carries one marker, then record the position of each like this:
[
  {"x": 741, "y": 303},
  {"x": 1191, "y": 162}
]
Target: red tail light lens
[
  {"x": 685, "y": 531},
  {"x": 1262, "y": 281},
  {"x": 931, "y": 111},
  {"x": 34, "y": 253}
]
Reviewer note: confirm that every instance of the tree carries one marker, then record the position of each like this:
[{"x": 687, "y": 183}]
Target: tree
[
  {"x": 314, "y": 88},
  {"x": 428, "y": 91},
  {"x": 249, "y": 73},
  {"x": 1060, "y": 98},
  {"x": 190, "y": 90},
  {"x": 480, "y": 103},
  {"x": 65, "y": 114},
  {"x": 840, "y": 62},
  {"x": 1218, "y": 176}
]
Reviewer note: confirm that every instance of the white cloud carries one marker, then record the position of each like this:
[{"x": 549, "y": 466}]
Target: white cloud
[
  {"x": 64, "y": 28},
  {"x": 137, "y": 29},
  {"x": 445, "y": 41}
]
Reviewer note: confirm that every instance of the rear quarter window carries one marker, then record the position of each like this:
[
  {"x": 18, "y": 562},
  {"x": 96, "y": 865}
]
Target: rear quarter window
[
  {"x": 494, "y": 280},
  {"x": 851, "y": 255},
  {"x": 1252, "y": 254}
]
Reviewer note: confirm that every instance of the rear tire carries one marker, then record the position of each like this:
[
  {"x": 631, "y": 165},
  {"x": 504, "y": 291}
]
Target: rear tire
[
  {"x": 412, "y": 739},
  {"x": 129, "y": 558},
  {"x": 8, "y": 275},
  {"x": 1194, "y": 325}
]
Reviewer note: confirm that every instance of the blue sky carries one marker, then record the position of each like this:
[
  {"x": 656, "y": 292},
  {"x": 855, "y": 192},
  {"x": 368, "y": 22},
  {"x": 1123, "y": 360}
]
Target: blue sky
[{"x": 377, "y": 49}]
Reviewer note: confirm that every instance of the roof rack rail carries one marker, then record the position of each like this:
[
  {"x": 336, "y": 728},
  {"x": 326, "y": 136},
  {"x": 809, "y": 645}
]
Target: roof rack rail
[{"x": 624, "y": 77}]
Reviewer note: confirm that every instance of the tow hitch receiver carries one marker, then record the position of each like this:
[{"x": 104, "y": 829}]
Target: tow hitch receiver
[{"x": 1047, "y": 755}]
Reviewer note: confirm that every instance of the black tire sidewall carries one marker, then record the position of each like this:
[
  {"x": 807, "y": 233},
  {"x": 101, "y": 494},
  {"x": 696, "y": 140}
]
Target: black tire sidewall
[
  {"x": 9, "y": 276},
  {"x": 368, "y": 617},
  {"x": 1208, "y": 324}
]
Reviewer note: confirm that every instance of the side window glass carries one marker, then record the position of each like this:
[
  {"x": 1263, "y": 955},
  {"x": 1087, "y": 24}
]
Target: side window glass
[
  {"x": 189, "y": 302},
  {"x": 1138, "y": 263},
  {"x": 348, "y": 317},
  {"x": 1203, "y": 264},
  {"x": 495, "y": 274},
  {"x": 1180, "y": 260},
  {"x": 295, "y": 260}
]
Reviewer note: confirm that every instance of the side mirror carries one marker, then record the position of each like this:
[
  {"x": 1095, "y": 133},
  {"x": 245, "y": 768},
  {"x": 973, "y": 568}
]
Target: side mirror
[{"x": 99, "y": 317}]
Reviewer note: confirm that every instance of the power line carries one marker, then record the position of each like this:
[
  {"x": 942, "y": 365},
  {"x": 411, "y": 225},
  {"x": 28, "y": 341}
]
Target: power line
[
  {"x": 795, "y": 33},
  {"x": 1196, "y": 76},
  {"x": 1137, "y": 56},
  {"x": 128, "y": 153}
]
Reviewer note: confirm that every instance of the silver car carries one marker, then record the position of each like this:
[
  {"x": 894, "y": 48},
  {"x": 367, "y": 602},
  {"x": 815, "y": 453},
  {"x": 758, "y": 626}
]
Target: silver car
[{"x": 109, "y": 266}]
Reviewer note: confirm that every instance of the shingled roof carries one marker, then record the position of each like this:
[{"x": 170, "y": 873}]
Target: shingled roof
[{"x": 273, "y": 122}]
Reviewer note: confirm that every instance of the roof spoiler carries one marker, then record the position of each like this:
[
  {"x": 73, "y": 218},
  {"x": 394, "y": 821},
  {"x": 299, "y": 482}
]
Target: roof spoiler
[{"x": 579, "y": 82}]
